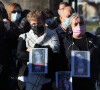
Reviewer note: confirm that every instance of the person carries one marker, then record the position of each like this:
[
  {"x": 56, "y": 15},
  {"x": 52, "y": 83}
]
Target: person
[
  {"x": 37, "y": 57},
  {"x": 14, "y": 13},
  {"x": 82, "y": 41},
  {"x": 7, "y": 36},
  {"x": 62, "y": 5},
  {"x": 24, "y": 25},
  {"x": 38, "y": 63},
  {"x": 51, "y": 21},
  {"x": 37, "y": 37},
  {"x": 25, "y": 12},
  {"x": 63, "y": 30}
]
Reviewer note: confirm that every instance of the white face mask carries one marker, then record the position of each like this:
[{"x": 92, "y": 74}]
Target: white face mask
[{"x": 15, "y": 16}]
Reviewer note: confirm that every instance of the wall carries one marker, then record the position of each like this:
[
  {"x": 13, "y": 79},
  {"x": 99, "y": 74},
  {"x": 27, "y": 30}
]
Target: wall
[{"x": 28, "y": 4}]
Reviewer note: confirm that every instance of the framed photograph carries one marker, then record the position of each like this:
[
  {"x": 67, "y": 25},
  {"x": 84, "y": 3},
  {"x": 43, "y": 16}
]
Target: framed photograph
[
  {"x": 38, "y": 60},
  {"x": 64, "y": 80},
  {"x": 80, "y": 63}
]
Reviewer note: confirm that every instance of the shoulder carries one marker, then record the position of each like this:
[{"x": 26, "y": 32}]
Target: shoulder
[
  {"x": 57, "y": 29},
  {"x": 24, "y": 19},
  {"x": 24, "y": 35},
  {"x": 50, "y": 32},
  {"x": 93, "y": 38},
  {"x": 68, "y": 37},
  {"x": 97, "y": 31}
]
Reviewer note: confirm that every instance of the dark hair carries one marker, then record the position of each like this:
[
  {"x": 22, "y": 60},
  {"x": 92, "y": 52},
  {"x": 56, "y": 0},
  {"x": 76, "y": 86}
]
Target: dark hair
[
  {"x": 48, "y": 12},
  {"x": 3, "y": 14},
  {"x": 25, "y": 12},
  {"x": 2, "y": 4},
  {"x": 65, "y": 3}
]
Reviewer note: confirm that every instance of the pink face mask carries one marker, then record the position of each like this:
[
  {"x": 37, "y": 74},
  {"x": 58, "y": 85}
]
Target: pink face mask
[{"x": 79, "y": 30}]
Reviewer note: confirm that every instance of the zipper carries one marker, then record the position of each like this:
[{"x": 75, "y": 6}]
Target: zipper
[
  {"x": 93, "y": 44},
  {"x": 72, "y": 46},
  {"x": 75, "y": 46}
]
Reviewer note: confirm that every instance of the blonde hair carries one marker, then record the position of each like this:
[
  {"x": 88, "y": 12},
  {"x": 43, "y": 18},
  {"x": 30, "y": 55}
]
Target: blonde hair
[
  {"x": 36, "y": 14},
  {"x": 76, "y": 15}
]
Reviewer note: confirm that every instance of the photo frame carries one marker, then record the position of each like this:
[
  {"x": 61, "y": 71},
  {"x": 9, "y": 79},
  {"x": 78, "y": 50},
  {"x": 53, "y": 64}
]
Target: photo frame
[
  {"x": 64, "y": 80},
  {"x": 38, "y": 60},
  {"x": 80, "y": 63}
]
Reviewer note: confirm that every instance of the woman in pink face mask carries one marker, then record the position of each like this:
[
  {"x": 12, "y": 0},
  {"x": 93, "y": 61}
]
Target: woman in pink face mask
[
  {"x": 78, "y": 27},
  {"x": 81, "y": 40}
]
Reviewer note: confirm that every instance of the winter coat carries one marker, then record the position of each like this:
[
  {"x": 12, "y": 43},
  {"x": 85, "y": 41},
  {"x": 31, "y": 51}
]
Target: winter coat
[
  {"x": 48, "y": 40},
  {"x": 24, "y": 26},
  {"x": 97, "y": 33},
  {"x": 61, "y": 59},
  {"x": 94, "y": 48}
]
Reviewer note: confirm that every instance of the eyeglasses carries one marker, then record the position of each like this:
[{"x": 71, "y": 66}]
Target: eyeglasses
[
  {"x": 14, "y": 11},
  {"x": 61, "y": 9}
]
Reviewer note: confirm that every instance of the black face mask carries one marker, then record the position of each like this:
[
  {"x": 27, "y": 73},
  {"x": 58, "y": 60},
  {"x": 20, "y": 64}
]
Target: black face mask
[{"x": 38, "y": 29}]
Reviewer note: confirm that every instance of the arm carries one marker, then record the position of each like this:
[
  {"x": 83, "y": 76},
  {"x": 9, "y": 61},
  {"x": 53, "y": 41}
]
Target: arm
[
  {"x": 54, "y": 45},
  {"x": 22, "y": 54}
]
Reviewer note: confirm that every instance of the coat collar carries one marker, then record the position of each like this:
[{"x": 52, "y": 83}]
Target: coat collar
[{"x": 92, "y": 40}]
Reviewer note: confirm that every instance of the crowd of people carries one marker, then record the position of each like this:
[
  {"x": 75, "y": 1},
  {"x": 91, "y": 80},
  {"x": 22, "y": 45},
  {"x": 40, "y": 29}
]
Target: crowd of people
[{"x": 22, "y": 30}]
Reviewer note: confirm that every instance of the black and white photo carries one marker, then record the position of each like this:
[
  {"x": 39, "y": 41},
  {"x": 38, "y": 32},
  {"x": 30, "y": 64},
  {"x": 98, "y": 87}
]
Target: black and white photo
[{"x": 38, "y": 60}]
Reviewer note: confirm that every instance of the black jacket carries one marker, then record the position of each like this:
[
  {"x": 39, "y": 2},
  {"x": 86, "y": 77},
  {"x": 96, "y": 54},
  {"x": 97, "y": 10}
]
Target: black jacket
[
  {"x": 8, "y": 41},
  {"x": 61, "y": 58},
  {"x": 24, "y": 26},
  {"x": 94, "y": 48},
  {"x": 97, "y": 33}
]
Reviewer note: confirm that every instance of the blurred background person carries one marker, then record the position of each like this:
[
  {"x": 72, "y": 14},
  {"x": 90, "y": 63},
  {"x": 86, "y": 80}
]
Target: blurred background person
[
  {"x": 62, "y": 5},
  {"x": 62, "y": 30},
  {"x": 24, "y": 25},
  {"x": 7, "y": 42},
  {"x": 14, "y": 13},
  {"x": 25, "y": 12},
  {"x": 51, "y": 21}
]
